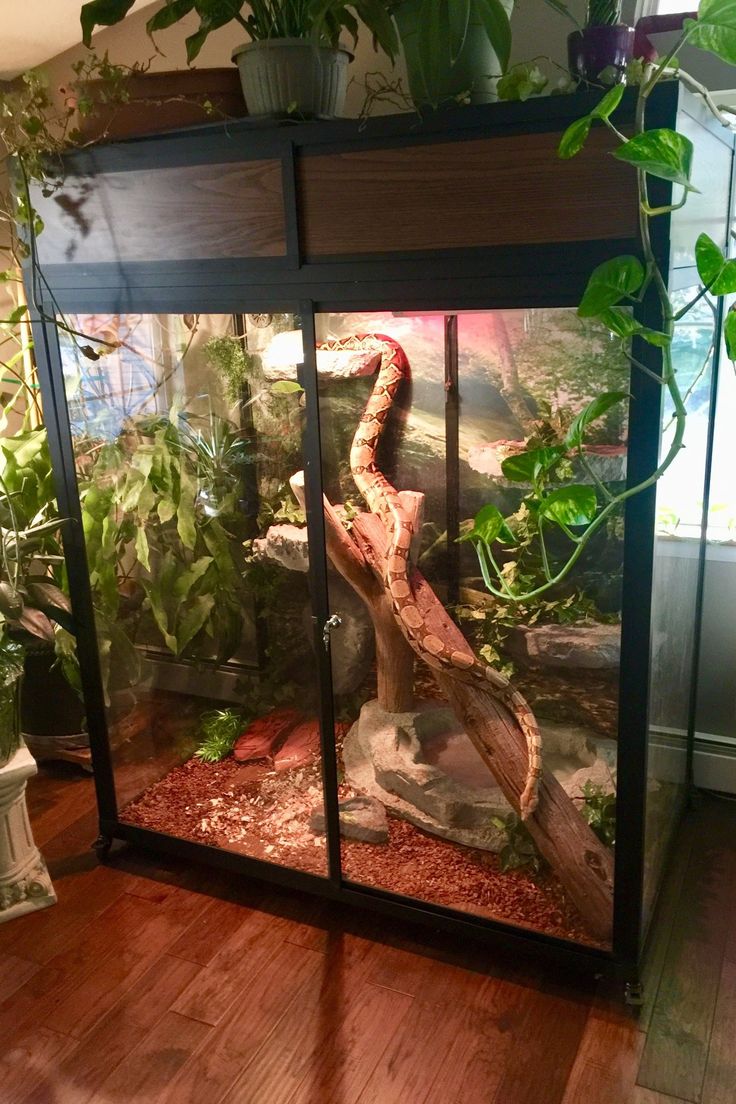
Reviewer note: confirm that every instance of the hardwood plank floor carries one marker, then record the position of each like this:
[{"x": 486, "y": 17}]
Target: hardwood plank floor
[{"x": 152, "y": 982}]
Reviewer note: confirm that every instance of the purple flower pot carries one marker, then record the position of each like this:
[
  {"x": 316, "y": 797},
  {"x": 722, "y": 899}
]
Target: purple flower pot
[{"x": 595, "y": 49}]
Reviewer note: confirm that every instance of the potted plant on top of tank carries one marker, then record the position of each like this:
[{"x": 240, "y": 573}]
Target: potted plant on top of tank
[
  {"x": 578, "y": 511},
  {"x": 294, "y": 62},
  {"x": 454, "y": 49},
  {"x": 600, "y": 49}
]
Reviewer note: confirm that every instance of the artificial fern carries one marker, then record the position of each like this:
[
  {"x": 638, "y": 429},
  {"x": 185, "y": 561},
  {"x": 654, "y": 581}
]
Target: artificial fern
[{"x": 219, "y": 730}]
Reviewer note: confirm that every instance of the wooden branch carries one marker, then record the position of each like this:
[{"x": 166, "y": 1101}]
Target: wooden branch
[
  {"x": 580, "y": 861},
  {"x": 394, "y": 657},
  {"x": 574, "y": 852}
]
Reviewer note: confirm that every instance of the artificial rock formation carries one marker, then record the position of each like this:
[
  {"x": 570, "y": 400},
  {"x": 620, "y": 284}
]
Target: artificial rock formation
[{"x": 580, "y": 861}]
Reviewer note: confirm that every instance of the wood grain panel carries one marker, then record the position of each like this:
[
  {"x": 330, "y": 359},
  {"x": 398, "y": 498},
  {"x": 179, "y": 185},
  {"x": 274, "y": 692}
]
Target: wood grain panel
[
  {"x": 482, "y": 192},
  {"x": 172, "y": 214}
]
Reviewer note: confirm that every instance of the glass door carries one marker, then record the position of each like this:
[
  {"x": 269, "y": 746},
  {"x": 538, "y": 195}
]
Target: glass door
[
  {"x": 423, "y": 813},
  {"x": 187, "y": 432}
]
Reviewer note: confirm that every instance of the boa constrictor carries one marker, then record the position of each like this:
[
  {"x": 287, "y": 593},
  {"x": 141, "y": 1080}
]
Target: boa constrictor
[{"x": 383, "y": 499}]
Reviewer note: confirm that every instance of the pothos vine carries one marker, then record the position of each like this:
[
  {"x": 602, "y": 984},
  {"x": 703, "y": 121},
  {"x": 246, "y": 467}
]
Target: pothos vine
[{"x": 579, "y": 511}]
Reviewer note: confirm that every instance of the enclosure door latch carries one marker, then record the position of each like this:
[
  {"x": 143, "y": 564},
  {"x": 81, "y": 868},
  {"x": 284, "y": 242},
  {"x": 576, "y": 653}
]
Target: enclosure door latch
[{"x": 332, "y": 622}]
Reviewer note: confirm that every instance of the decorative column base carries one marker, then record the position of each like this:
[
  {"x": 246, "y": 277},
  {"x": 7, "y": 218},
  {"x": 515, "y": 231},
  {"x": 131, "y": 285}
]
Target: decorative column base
[{"x": 25, "y": 884}]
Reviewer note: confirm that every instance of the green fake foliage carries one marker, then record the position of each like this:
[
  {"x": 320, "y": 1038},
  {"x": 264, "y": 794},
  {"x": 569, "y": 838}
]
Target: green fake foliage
[
  {"x": 519, "y": 852},
  {"x": 218, "y": 731},
  {"x": 599, "y": 810},
  {"x": 717, "y": 273},
  {"x": 319, "y": 21}
]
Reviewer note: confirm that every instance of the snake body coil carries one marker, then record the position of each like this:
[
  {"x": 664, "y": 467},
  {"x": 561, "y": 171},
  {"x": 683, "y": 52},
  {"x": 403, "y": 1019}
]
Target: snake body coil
[{"x": 383, "y": 499}]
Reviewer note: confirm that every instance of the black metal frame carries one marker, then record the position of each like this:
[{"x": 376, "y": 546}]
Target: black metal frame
[{"x": 454, "y": 280}]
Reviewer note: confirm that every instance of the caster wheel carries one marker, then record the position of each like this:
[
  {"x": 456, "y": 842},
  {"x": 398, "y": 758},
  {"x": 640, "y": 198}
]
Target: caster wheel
[
  {"x": 634, "y": 994},
  {"x": 101, "y": 847}
]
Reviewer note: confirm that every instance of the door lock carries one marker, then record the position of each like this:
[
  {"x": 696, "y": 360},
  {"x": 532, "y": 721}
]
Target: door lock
[{"x": 332, "y": 622}]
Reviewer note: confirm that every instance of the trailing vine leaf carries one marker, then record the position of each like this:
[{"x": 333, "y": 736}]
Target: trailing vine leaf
[
  {"x": 609, "y": 103},
  {"x": 609, "y": 283},
  {"x": 715, "y": 29},
  {"x": 623, "y": 324},
  {"x": 141, "y": 547},
  {"x": 521, "y": 82},
  {"x": 729, "y": 333},
  {"x": 574, "y": 138},
  {"x": 489, "y": 525},
  {"x": 570, "y": 506},
  {"x": 662, "y": 153},
  {"x": 592, "y": 412},
  {"x": 717, "y": 273},
  {"x": 102, "y": 13},
  {"x": 526, "y": 467},
  {"x": 192, "y": 619}
]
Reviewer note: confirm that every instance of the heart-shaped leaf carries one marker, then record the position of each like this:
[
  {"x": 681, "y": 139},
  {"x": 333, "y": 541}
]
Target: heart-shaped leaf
[
  {"x": 527, "y": 466},
  {"x": 715, "y": 29},
  {"x": 660, "y": 152},
  {"x": 609, "y": 103},
  {"x": 489, "y": 525},
  {"x": 574, "y": 138},
  {"x": 570, "y": 506},
  {"x": 623, "y": 324},
  {"x": 718, "y": 274},
  {"x": 614, "y": 280},
  {"x": 729, "y": 333},
  {"x": 593, "y": 411}
]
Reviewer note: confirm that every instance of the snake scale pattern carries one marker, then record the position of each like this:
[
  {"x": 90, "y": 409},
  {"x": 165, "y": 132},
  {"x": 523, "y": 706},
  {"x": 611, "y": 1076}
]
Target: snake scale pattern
[{"x": 383, "y": 500}]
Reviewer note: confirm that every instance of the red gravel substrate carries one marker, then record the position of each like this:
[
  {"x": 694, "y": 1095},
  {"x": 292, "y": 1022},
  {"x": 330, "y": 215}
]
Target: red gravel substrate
[{"x": 250, "y": 809}]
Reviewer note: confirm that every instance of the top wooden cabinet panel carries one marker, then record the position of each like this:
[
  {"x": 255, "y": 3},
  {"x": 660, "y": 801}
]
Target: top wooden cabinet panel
[
  {"x": 182, "y": 213},
  {"x": 496, "y": 191}
]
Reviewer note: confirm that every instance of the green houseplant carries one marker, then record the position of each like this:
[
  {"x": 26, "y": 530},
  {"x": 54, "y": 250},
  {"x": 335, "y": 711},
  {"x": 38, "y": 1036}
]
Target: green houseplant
[
  {"x": 293, "y": 63},
  {"x": 600, "y": 49},
  {"x": 576, "y": 511},
  {"x": 454, "y": 49}
]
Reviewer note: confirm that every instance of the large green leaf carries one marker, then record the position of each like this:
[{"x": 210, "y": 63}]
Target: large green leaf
[
  {"x": 715, "y": 29},
  {"x": 660, "y": 152},
  {"x": 622, "y": 323},
  {"x": 185, "y": 519},
  {"x": 609, "y": 103},
  {"x": 574, "y": 138},
  {"x": 192, "y": 619},
  {"x": 459, "y": 15},
  {"x": 489, "y": 525},
  {"x": 493, "y": 16},
  {"x": 614, "y": 280},
  {"x": 570, "y": 506},
  {"x": 729, "y": 333},
  {"x": 102, "y": 13},
  {"x": 526, "y": 467},
  {"x": 718, "y": 274},
  {"x": 170, "y": 13},
  {"x": 592, "y": 412},
  {"x": 377, "y": 19}
]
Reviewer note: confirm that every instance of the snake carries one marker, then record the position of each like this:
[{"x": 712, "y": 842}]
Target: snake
[{"x": 382, "y": 499}]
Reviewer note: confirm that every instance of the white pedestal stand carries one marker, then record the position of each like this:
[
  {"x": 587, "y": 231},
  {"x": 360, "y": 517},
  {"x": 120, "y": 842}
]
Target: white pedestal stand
[{"x": 25, "y": 884}]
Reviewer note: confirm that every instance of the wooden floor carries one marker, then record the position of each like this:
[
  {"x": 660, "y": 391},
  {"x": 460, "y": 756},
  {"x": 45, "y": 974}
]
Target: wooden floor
[{"x": 153, "y": 982}]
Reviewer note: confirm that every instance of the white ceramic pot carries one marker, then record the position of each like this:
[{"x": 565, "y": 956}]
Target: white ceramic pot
[
  {"x": 25, "y": 884},
  {"x": 290, "y": 76}
]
